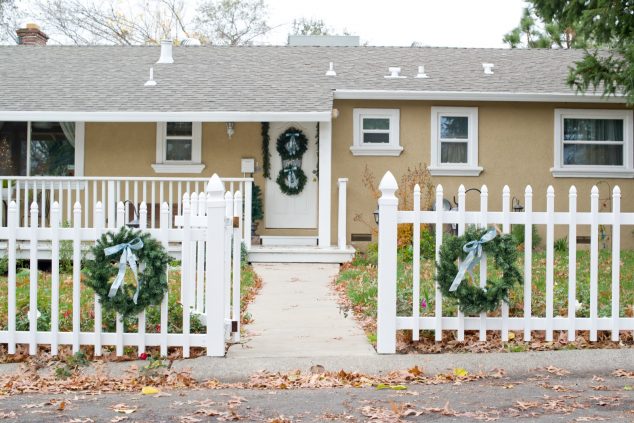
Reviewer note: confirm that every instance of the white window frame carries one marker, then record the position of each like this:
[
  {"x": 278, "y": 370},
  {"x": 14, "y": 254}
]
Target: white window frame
[
  {"x": 163, "y": 165},
  {"x": 80, "y": 136},
  {"x": 470, "y": 168},
  {"x": 393, "y": 148},
  {"x": 561, "y": 170}
]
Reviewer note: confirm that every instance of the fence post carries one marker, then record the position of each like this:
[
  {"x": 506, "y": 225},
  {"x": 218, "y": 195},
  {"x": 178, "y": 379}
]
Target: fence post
[
  {"x": 506, "y": 228},
  {"x": 341, "y": 217},
  {"x": 99, "y": 225},
  {"x": 440, "y": 195},
  {"x": 484, "y": 209},
  {"x": 550, "y": 260},
  {"x": 248, "y": 200},
  {"x": 12, "y": 222},
  {"x": 237, "y": 262},
  {"x": 572, "y": 263},
  {"x": 142, "y": 322},
  {"x": 386, "y": 313},
  {"x": 164, "y": 219},
  {"x": 594, "y": 261},
  {"x": 76, "y": 275},
  {"x": 616, "y": 259},
  {"x": 528, "y": 260},
  {"x": 33, "y": 281},
  {"x": 214, "y": 292},
  {"x": 416, "y": 266}
]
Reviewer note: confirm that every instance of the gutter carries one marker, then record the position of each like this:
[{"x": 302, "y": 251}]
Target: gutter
[
  {"x": 474, "y": 96},
  {"x": 66, "y": 116}
]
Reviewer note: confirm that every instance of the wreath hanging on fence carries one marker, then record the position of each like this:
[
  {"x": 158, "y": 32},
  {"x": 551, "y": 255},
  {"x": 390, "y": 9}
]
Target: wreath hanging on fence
[
  {"x": 291, "y": 145},
  {"x": 452, "y": 279},
  {"x": 113, "y": 253}
]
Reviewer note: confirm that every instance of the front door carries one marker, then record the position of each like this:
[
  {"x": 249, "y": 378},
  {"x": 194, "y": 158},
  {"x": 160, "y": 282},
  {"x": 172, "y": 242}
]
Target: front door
[{"x": 292, "y": 211}]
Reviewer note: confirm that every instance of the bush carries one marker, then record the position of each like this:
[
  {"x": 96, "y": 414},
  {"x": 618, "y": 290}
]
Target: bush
[{"x": 517, "y": 232}]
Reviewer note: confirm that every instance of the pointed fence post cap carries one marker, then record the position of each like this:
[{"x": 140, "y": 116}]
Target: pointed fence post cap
[
  {"x": 388, "y": 185},
  {"x": 616, "y": 191},
  {"x": 215, "y": 186}
]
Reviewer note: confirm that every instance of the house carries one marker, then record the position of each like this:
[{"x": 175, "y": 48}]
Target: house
[{"x": 136, "y": 119}]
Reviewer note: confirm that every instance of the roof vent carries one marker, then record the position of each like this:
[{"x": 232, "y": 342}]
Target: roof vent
[
  {"x": 331, "y": 70},
  {"x": 421, "y": 72},
  {"x": 151, "y": 82},
  {"x": 488, "y": 68},
  {"x": 395, "y": 73},
  {"x": 166, "y": 52},
  {"x": 190, "y": 42}
]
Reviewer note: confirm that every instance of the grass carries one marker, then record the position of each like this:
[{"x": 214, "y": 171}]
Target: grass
[
  {"x": 249, "y": 285},
  {"x": 359, "y": 282}
]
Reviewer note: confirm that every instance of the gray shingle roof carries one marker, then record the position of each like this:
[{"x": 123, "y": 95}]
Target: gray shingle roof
[{"x": 257, "y": 79}]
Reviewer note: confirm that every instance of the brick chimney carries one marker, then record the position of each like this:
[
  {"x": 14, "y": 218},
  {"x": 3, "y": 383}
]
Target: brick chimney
[{"x": 31, "y": 36}]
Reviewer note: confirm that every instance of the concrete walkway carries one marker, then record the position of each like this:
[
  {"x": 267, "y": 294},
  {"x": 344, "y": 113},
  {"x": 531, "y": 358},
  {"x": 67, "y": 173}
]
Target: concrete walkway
[{"x": 296, "y": 315}]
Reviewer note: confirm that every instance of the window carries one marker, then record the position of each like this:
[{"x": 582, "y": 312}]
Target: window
[
  {"x": 41, "y": 148},
  {"x": 178, "y": 147},
  {"x": 454, "y": 141},
  {"x": 593, "y": 143},
  {"x": 376, "y": 132}
]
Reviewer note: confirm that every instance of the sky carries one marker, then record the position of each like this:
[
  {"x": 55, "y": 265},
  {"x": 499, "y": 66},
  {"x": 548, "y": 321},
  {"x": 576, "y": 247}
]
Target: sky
[{"x": 447, "y": 23}]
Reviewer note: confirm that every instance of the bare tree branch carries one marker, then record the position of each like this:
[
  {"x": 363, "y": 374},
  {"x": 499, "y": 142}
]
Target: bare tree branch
[{"x": 232, "y": 22}]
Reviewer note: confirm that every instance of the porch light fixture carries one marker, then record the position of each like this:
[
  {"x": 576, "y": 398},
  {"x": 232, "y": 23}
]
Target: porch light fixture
[
  {"x": 135, "y": 222},
  {"x": 376, "y": 215},
  {"x": 517, "y": 206},
  {"x": 231, "y": 129}
]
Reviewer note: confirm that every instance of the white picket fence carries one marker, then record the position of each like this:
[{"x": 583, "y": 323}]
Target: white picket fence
[
  {"x": 210, "y": 271},
  {"x": 389, "y": 217}
]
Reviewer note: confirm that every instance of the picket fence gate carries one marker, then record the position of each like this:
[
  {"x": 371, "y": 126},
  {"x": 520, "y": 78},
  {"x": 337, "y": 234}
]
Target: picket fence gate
[
  {"x": 210, "y": 271},
  {"x": 389, "y": 217}
]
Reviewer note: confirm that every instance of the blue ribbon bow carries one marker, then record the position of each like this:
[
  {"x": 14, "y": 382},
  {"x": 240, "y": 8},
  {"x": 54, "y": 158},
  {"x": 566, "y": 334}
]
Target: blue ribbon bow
[
  {"x": 474, "y": 248},
  {"x": 127, "y": 258}
]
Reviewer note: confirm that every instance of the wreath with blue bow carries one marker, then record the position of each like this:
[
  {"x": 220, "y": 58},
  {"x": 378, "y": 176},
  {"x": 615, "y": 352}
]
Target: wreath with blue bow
[
  {"x": 291, "y": 145},
  {"x": 146, "y": 282},
  {"x": 452, "y": 278}
]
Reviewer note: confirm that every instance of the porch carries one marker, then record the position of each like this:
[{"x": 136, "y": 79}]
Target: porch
[{"x": 132, "y": 192}]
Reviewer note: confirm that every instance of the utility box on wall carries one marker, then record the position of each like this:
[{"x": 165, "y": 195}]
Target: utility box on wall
[{"x": 247, "y": 166}]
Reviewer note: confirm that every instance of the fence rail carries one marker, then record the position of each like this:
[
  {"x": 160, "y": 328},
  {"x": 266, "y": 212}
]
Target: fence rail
[
  {"x": 389, "y": 217},
  {"x": 210, "y": 273}
]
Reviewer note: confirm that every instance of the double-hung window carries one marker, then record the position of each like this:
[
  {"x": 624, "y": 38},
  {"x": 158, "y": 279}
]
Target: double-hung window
[
  {"x": 376, "y": 132},
  {"x": 593, "y": 143},
  {"x": 178, "y": 147},
  {"x": 454, "y": 141}
]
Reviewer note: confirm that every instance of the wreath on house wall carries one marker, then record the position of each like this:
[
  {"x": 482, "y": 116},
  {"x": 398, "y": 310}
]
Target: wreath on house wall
[
  {"x": 291, "y": 146},
  {"x": 113, "y": 253},
  {"x": 452, "y": 279}
]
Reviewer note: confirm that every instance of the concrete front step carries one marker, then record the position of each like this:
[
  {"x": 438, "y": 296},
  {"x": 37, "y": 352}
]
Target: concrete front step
[{"x": 300, "y": 254}]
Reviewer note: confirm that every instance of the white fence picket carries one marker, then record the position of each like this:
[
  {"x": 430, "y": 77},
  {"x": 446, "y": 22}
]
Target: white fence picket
[
  {"x": 237, "y": 263},
  {"x": 33, "y": 275},
  {"x": 12, "y": 221},
  {"x": 76, "y": 275},
  {"x": 142, "y": 324},
  {"x": 54, "y": 278},
  {"x": 387, "y": 321},
  {"x": 99, "y": 229},
  {"x": 416, "y": 265},
  {"x": 164, "y": 238}
]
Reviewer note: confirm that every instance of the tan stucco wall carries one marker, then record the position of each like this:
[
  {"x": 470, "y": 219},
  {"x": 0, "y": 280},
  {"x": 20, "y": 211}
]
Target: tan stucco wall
[
  {"x": 516, "y": 147},
  {"x": 129, "y": 149}
]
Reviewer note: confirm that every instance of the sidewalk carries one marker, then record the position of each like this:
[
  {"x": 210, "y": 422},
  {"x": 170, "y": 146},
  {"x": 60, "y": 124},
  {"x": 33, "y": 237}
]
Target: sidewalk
[{"x": 296, "y": 315}]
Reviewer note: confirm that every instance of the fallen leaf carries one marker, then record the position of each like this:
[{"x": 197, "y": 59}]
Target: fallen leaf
[
  {"x": 149, "y": 390},
  {"x": 460, "y": 372},
  {"x": 61, "y": 406},
  {"x": 123, "y": 408}
]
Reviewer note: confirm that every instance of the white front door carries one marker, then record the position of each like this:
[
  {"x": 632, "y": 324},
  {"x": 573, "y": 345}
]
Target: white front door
[{"x": 292, "y": 211}]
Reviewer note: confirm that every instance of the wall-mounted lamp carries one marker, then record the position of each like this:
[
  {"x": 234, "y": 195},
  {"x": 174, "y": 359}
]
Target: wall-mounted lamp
[
  {"x": 231, "y": 129},
  {"x": 517, "y": 206},
  {"x": 135, "y": 222},
  {"x": 376, "y": 215}
]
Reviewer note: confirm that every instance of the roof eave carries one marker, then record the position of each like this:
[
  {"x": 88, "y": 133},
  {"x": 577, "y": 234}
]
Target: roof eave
[
  {"x": 475, "y": 96},
  {"x": 132, "y": 116}
]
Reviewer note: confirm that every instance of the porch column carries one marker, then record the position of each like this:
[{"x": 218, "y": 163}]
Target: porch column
[{"x": 325, "y": 177}]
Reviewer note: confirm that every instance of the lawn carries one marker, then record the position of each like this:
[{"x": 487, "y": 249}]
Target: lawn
[
  {"x": 358, "y": 282},
  {"x": 249, "y": 285}
]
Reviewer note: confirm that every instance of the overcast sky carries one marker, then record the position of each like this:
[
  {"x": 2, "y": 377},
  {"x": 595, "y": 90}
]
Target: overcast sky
[{"x": 454, "y": 23}]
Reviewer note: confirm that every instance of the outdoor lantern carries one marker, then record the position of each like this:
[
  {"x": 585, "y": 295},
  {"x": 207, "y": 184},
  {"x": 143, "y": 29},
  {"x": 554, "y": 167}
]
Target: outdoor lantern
[
  {"x": 135, "y": 222},
  {"x": 517, "y": 207},
  {"x": 376, "y": 215}
]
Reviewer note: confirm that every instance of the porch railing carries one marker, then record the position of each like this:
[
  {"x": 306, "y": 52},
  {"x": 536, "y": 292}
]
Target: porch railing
[{"x": 132, "y": 191}]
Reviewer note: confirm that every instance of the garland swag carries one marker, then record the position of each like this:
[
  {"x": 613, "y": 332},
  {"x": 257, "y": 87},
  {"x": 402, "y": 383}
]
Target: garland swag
[
  {"x": 266, "y": 154},
  {"x": 471, "y": 298},
  {"x": 152, "y": 261}
]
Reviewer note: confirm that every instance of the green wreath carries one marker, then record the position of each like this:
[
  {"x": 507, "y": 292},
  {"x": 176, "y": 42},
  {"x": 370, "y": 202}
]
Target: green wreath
[
  {"x": 471, "y": 298},
  {"x": 102, "y": 271},
  {"x": 292, "y": 144},
  {"x": 299, "y": 180}
]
